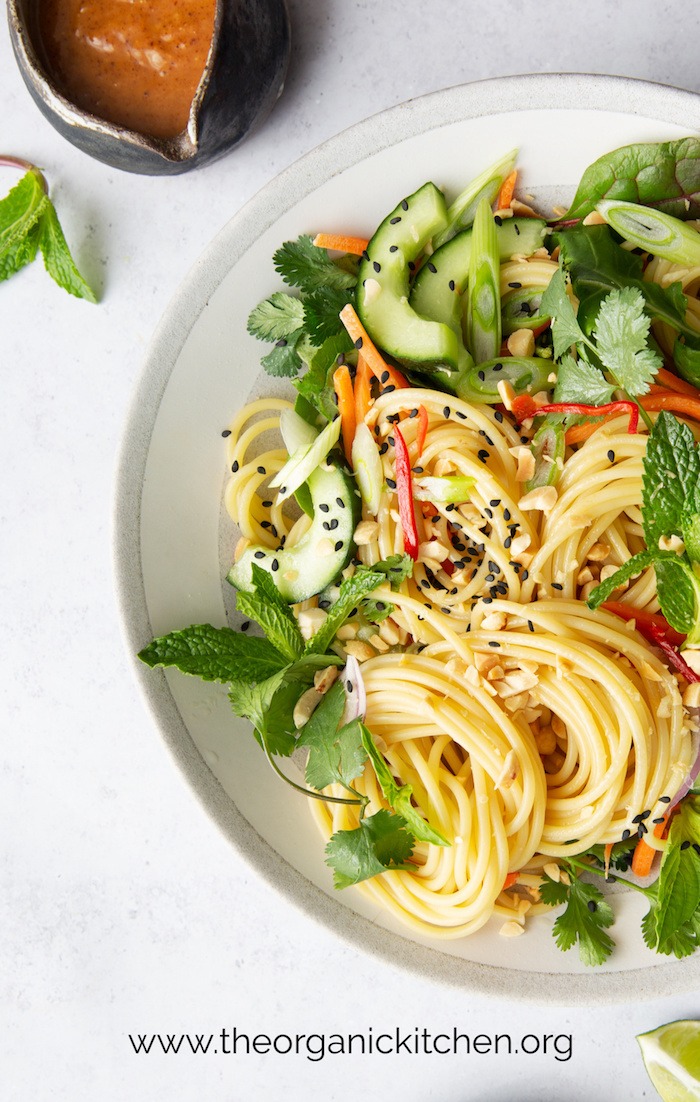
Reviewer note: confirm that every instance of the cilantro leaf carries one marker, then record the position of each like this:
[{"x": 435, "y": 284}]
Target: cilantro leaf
[
  {"x": 352, "y": 590},
  {"x": 622, "y": 331},
  {"x": 316, "y": 384},
  {"x": 399, "y": 796},
  {"x": 322, "y": 308},
  {"x": 629, "y": 569},
  {"x": 271, "y": 716},
  {"x": 277, "y": 317},
  {"x": 671, "y": 475},
  {"x": 269, "y": 609},
  {"x": 580, "y": 382},
  {"x": 556, "y": 304},
  {"x": 335, "y": 756},
  {"x": 57, "y": 256},
  {"x": 380, "y": 842},
  {"x": 302, "y": 264},
  {"x": 679, "y": 593},
  {"x": 284, "y": 361},
  {"x": 585, "y": 919},
  {"x": 215, "y": 654}
]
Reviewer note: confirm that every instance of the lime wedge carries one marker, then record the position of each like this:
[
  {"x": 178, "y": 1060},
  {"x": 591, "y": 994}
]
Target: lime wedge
[{"x": 672, "y": 1058}]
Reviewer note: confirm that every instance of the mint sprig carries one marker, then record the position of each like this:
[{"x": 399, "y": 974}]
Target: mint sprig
[{"x": 29, "y": 224}]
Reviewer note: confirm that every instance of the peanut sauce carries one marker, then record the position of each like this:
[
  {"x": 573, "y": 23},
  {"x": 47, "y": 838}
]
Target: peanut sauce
[{"x": 135, "y": 63}]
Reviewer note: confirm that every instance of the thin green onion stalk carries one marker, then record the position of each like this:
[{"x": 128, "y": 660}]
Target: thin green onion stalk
[
  {"x": 483, "y": 320},
  {"x": 654, "y": 232},
  {"x": 486, "y": 186}
]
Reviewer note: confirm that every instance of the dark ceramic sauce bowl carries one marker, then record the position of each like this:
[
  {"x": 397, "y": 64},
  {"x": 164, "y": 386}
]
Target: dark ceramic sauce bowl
[{"x": 242, "y": 79}]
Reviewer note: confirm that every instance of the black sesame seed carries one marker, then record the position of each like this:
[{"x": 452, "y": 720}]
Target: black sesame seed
[
  {"x": 493, "y": 643},
  {"x": 261, "y": 470},
  {"x": 462, "y": 416},
  {"x": 267, "y": 504},
  {"x": 625, "y": 835},
  {"x": 358, "y": 343},
  {"x": 324, "y": 507},
  {"x": 592, "y": 905},
  {"x": 495, "y": 501},
  {"x": 281, "y": 343},
  {"x": 685, "y": 844},
  {"x": 489, "y": 513},
  {"x": 259, "y": 555},
  {"x": 389, "y": 389},
  {"x": 499, "y": 416},
  {"x": 245, "y": 625},
  {"x": 395, "y": 219},
  {"x": 404, "y": 204},
  {"x": 391, "y": 483},
  {"x": 664, "y": 799},
  {"x": 326, "y": 525},
  {"x": 506, "y": 514},
  {"x": 515, "y": 285},
  {"x": 226, "y": 432},
  {"x": 446, "y": 412},
  {"x": 452, "y": 284},
  {"x": 431, "y": 267},
  {"x": 274, "y": 565},
  {"x": 507, "y": 542},
  {"x": 265, "y": 524},
  {"x": 390, "y": 440},
  {"x": 482, "y": 455},
  {"x": 557, "y": 585},
  {"x": 661, "y": 819},
  {"x": 482, "y": 376},
  {"x": 413, "y": 412},
  {"x": 498, "y": 220},
  {"x": 530, "y": 625},
  {"x": 516, "y": 227},
  {"x": 365, "y": 254},
  {"x": 384, "y": 448},
  {"x": 333, "y": 524},
  {"x": 611, "y": 456},
  {"x": 641, "y": 817},
  {"x": 376, "y": 265},
  {"x": 339, "y": 545},
  {"x": 235, "y": 466},
  {"x": 525, "y": 575},
  {"x": 393, "y": 248}
]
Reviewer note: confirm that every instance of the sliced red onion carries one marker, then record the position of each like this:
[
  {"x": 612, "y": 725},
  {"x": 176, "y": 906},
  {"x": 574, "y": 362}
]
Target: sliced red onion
[
  {"x": 355, "y": 695},
  {"x": 694, "y": 770}
]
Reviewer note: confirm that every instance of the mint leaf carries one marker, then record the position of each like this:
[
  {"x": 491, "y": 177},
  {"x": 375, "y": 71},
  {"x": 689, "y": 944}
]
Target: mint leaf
[
  {"x": 57, "y": 256},
  {"x": 277, "y": 317},
  {"x": 622, "y": 331},
  {"x": 629, "y": 569},
  {"x": 556, "y": 304},
  {"x": 579, "y": 382},
  {"x": 20, "y": 211},
  {"x": 380, "y": 842},
  {"x": 21, "y": 252},
  {"x": 677, "y": 909},
  {"x": 671, "y": 476},
  {"x": 269, "y": 609},
  {"x": 215, "y": 654},
  {"x": 585, "y": 919},
  {"x": 335, "y": 756},
  {"x": 399, "y": 796},
  {"x": 302, "y": 264}
]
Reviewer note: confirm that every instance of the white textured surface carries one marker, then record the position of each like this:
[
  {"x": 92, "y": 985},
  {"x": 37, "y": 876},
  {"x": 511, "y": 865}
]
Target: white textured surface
[{"x": 123, "y": 909}]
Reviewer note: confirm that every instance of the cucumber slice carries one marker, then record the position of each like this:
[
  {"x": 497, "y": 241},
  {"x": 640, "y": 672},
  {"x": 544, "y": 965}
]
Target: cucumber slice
[
  {"x": 323, "y": 551},
  {"x": 383, "y": 285},
  {"x": 305, "y": 460}
]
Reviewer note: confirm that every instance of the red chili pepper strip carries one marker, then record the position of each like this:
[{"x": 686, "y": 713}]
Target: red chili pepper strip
[
  {"x": 404, "y": 493},
  {"x": 422, "y": 429},
  {"x": 657, "y": 630},
  {"x": 596, "y": 411}
]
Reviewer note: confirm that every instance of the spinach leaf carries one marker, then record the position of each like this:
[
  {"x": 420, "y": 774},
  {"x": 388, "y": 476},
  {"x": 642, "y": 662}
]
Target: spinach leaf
[{"x": 665, "y": 175}]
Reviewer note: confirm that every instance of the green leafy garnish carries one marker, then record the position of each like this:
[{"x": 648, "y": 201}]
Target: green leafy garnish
[
  {"x": 672, "y": 925},
  {"x": 352, "y": 591},
  {"x": 579, "y": 382},
  {"x": 380, "y": 842},
  {"x": 586, "y": 918},
  {"x": 399, "y": 796},
  {"x": 215, "y": 654},
  {"x": 277, "y": 318},
  {"x": 665, "y": 175},
  {"x": 335, "y": 755},
  {"x": 269, "y": 609},
  {"x": 621, "y": 334},
  {"x": 302, "y": 264},
  {"x": 28, "y": 224}
]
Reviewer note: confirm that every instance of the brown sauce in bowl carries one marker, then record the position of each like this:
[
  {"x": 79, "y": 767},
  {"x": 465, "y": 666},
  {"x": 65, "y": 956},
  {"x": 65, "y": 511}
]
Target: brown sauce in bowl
[{"x": 135, "y": 63}]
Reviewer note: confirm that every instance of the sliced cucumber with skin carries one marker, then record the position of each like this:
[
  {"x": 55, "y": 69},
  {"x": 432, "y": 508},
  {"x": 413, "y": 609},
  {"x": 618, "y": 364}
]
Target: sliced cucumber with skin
[
  {"x": 439, "y": 285},
  {"x": 315, "y": 562},
  {"x": 383, "y": 285}
]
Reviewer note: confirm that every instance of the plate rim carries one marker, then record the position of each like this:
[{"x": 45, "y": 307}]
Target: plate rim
[{"x": 583, "y": 91}]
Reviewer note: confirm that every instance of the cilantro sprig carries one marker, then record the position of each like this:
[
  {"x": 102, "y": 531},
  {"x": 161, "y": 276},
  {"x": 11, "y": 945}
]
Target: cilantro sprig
[
  {"x": 28, "y": 225},
  {"x": 585, "y": 919},
  {"x": 305, "y": 327}
]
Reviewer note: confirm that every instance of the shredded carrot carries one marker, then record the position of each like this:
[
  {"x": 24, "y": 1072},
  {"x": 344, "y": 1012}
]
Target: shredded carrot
[
  {"x": 644, "y": 854},
  {"x": 671, "y": 381},
  {"x": 669, "y": 399},
  {"x": 341, "y": 243},
  {"x": 608, "y": 855},
  {"x": 363, "y": 389},
  {"x": 342, "y": 384},
  {"x": 511, "y": 878},
  {"x": 577, "y": 433},
  {"x": 505, "y": 195},
  {"x": 384, "y": 372},
  {"x": 422, "y": 429}
]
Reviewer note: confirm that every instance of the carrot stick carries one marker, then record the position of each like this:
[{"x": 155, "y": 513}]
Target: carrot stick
[
  {"x": 386, "y": 374},
  {"x": 342, "y": 384},
  {"x": 511, "y": 878},
  {"x": 422, "y": 429},
  {"x": 644, "y": 854},
  {"x": 668, "y": 399},
  {"x": 668, "y": 379},
  {"x": 363, "y": 389},
  {"x": 341, "y": 243},
  {"x": 505, "y": 195},
  {"x": 577, "y": 433}
]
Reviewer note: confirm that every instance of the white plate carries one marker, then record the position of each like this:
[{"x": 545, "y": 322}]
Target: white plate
[{"x": 169, "y": 558}]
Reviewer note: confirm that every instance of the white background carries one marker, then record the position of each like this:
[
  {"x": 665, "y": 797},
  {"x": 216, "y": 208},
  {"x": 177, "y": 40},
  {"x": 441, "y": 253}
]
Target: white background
[{"x": 122, "y": 909}]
